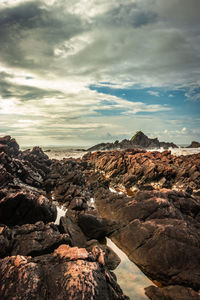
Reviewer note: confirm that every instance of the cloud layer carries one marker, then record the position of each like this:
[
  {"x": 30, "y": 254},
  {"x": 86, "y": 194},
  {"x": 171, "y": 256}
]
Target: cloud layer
[{"x": 53, "y": 51}]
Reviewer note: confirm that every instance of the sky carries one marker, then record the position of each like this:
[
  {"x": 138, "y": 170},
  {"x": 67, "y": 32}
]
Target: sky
[{"x": 81, "y": 72}]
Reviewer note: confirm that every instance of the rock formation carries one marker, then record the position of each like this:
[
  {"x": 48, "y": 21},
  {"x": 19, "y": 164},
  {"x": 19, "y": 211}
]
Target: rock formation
[
  {"x": 67, "y": 273},
  {"x": 155, "y": 220},
  {"x": 194, "y": 145},
  {"x": 139, "y": 140},
  {"x": 135, "y": 169},
  {"x": 38, "y": 259},
  {"x": 159, "y": 231}
]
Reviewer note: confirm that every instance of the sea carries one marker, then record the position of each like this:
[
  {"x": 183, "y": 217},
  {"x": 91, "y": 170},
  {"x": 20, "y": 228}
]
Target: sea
[
  {"x": 66, "y": 152},
  {"x": 129, "y": 277}
]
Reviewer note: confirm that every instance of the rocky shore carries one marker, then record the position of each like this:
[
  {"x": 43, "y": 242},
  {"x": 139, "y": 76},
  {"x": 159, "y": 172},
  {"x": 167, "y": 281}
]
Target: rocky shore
[{"x": 155, "y": 220}]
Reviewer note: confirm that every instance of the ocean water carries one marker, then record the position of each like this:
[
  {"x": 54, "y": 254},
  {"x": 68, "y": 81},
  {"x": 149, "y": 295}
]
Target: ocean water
[{"x": 66, "y": 152}]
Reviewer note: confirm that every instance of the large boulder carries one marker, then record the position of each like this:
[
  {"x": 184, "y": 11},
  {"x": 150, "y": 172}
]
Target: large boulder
[
  {"x": 95, "y": 227},
  {"x": 159, "y": 232},
  {"x": 69, "y": 273},
  {"x": 173, "y": 292},
  {"x": 25, "y": 207},
  {"x": 31, "y": 239},
  {"x": 67, "y": 225}
]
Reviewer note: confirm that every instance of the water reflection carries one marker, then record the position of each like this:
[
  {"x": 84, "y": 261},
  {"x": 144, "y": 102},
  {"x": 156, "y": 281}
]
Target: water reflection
[
  {"x": 61, "y": 210},
  {"x": 129, "y": 277}
]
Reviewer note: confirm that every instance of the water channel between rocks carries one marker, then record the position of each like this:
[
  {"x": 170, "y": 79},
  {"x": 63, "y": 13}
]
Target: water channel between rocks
[{"x": 129, "y": 277}]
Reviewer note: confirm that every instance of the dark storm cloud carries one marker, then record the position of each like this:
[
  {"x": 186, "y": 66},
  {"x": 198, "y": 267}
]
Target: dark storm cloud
[
  {"x": 23, "y": 92},
  {"x": 30, "y": 31}
]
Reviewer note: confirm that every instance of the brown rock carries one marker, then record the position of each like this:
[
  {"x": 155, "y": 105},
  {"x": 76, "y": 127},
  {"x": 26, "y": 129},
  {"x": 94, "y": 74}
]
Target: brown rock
[
  {"x": 135, "y": 169},
  {"x": 71, "y": 253},
  {"x": 67, "y": 225},
  {"x": 33, "y": 239},
  {"x": 95, "y": 227},
  {"x": 173, "y": 292},
  {"x": 159, "y": 232},
  {"x": 46, "y": 277},
  {"x": 23, "y": 207}
]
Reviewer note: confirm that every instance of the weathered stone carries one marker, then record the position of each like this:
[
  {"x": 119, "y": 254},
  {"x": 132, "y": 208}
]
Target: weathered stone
[
  {"x": 159, "y": 232},
  {"x": 135, "y": 169},
  {"x": 23, "y": 207},
  {"x": 31, "y": 239},
  {"x": 111, "y": 259},
  {"x": 95, "y": 227},
  {"x": 173, "y": 292},
  {"x": 71, "y": 253},
  {"x": 68, "y": 226},
  {"x": 9, "y": 146},
  {"x": 68, "y": 274}
]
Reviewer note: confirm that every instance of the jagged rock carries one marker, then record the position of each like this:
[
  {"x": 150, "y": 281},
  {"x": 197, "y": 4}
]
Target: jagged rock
[
  {"x": 95, "y": 227},
  {"x": 111, "y": 259},
  {"x": 66, "y": 181},
  {"x": 31, "y": 239},
  {"x": 139, "y": 140},
  {"x": 67, "y": 225},
  {"x": 159, "y": 232},
  {"x": 19, "y": 170},
  {"x": 22, "y": 207},
  {"x": 173, "y": 292},
  {"x": 194, "y": 145},
  {"x": 134, "y": 169},
  {"x": 9, "y": 146},
  {"x": 69, "y": 273},
  {"x": 38, "y": 159}
]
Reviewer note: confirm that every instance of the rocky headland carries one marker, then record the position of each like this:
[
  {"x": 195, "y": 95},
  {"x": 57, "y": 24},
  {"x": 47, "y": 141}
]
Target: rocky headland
[
  {"x": 152, "y": 213},
  {"x": 194, "y": 144},
  {"x": 139, "y": 140}
]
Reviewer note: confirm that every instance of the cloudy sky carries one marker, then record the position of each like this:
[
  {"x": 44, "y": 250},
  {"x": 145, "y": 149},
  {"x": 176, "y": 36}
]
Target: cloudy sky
[{"x": 79, "y": 72}]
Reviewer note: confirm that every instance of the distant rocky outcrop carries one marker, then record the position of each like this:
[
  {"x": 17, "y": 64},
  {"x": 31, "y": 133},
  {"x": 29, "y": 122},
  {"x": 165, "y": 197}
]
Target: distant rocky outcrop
[
  {"x": 139, "y": 140},
  {"x": 194, "y": 144}
]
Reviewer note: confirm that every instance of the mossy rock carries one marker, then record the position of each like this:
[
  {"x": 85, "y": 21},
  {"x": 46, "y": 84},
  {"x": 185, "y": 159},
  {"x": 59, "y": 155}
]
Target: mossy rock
[{"x": 137, "y": 133}]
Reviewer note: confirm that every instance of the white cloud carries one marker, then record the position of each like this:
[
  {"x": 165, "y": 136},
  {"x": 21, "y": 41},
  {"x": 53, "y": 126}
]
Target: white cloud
[
  {"x": 154, "y": 93},
  {"x": 184, "y": 130},
  {"x": 53, "y": 50}
]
